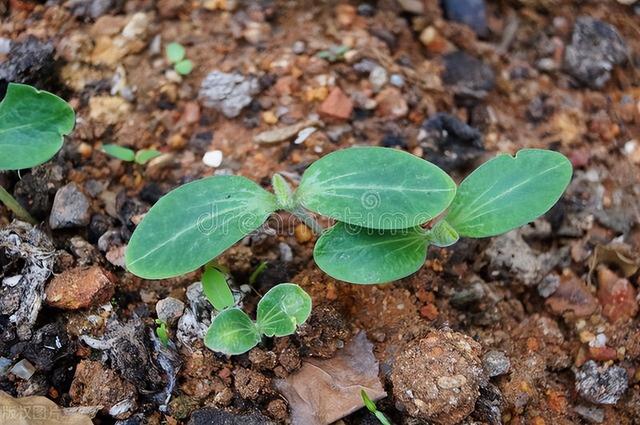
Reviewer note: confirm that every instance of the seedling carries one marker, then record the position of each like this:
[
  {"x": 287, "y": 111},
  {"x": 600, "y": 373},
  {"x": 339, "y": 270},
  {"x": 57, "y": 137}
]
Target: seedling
[
  {"x": 33, "y": 124},
  {"x": 384, "y": 201},
  {"x": 162, "y": 332},
  {"x": 176, "y": 55},
  {"x": 371, "y": 406},
  {"x": 125, "y": 154}
]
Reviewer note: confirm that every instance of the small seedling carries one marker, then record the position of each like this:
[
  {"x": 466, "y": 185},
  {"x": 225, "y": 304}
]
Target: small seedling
[
  {"x": 257, "y": 272},
  {"x": 129, "y": 155},
  {"x": 334, "y": 53},
  {"x": 33, "y": 124},
  {"x": 371, "y": 406},
  {"x": 176, "y": 55},
  {"x": 162, "y": 332}
]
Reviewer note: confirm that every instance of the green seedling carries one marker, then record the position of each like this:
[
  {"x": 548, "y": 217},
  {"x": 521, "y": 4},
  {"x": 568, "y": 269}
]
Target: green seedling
[
  {"x": 162, "y": 332},
  {"x": 216, "y": 289},
  {"x": 280, "y": 311},
  {"x": 257, "y": 272},
  {"x": 33, "y": 124},
  {"x": 371, "y": 407},
  {"x": 129, "y": 155},
  {"x": 176, "y": 55},
  {"x": 334, "y": 53},
  {"x": 389, "y": 207}
]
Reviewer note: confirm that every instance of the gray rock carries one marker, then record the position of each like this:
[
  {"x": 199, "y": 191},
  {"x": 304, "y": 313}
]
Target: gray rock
[
  {"x": 548, "y": 285},
  {"x": 70, "y": 208},
  {"x": 23, "y": 369},
  {"x": 469, "y": 77},
  {"x": 169, "y": 309},
  {"x": 92, "y": 8},
  {"x": 228, "y": 93},
  {"x": 378, "y": 77},
  {"x": 470, "y": 12},
  {"x": 495, "y": 363},
  {"x": 210, "y": 416},
  {"x": 596, "y": 47},
  {"x": 30, "y": 62},
  {"x": 412, "y": 6},
  {"x": 592, "y": 414},
  {"x": 468, "y": 296},
  {"x": 601, "y": 385}
]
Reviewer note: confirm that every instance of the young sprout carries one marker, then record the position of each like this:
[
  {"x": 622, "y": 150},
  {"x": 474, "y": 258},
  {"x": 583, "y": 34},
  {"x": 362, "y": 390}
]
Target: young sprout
[
  {"x": 33, "y": 124},
  {"x": 176, "y": 55},
  {"x": 129, "y": 155},
  {"x": 257, "y": 272},
  {"x": 162, "y": 332},
  {"x": 371, "y": 406}
]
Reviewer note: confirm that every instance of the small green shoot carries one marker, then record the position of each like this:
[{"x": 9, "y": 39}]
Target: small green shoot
[
  {"x": 176, "y": 55},
  {"x": 162, "y": 332},
  {"x": 129, "y": 155},
  {"x": 334, "y": 53},
  {"x": 33, "y": 124},
  {"x": 371, "y": 406},
  {"x": 216, "y": 289},
  {"x": 257, "y": 272}
]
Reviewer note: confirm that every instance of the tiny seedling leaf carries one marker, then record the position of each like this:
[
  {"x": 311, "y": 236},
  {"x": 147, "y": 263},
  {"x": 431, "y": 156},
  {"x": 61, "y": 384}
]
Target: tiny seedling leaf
[
  {"x": 369, "y": 256},
  {"x": 175, "y": 52},
  {"x": 284, "y": 194},
  {"x": 184, "y": 67},
  {"x": 371, "y": 407},
  {"x": 195, "y": 223},
  {"x": 282, "y": 308},
  {"x": 216, "y": 289},
  {"x": 161, "y": 332},
  {"x": 374, "y": 187},
  {"x": 32, "y": 126},
  {"x": 507, "y": 192},
  {"x": 119, "y": 152},
  {"x": 232, "y": 332},
  {"x": 442, "y": 234},
  {"x": 145, "y": 155}
]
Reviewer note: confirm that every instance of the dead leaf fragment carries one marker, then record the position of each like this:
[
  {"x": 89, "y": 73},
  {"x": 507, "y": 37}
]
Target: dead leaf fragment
[
  {"x": 37, "y": 410},
  {"x": 336, "y": 384},
  {"x": 618, "y": 255}
]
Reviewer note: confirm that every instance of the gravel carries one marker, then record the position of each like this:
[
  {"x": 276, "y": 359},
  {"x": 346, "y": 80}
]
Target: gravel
[
  {"x": 228, "y": 93},
  {"x": 601, "y": 385},
  {"x": 496, "y": 363}
]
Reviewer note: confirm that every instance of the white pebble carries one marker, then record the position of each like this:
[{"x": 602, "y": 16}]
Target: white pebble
[
  {"x": 304, "y": 135},
  {"x": 23, "y": 369},
  {"x": 212, "y": 159}
]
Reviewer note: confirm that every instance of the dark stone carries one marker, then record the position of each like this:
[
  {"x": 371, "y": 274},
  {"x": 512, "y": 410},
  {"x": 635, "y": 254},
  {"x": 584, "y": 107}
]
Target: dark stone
[
  {"x": 71, "y": 208},
  {"x": 93, "y": 8},
  {"x": 450, "y": 143},
  {"x": 391, "y": 140},
  {"x": 99, "y": 225},
  {"x": 210, "y": 416},
  {"x": 200, "y": 142},
  {"x": 596, "y": 47},
  {"x": 48, "y": 345},
  {"x": 601, "y": 385},
  {"x": 470, "y": 78},
  {"x": 30, "y": 62},
  {"x": 488, "y": 405},
  {"x": 151, "y": 192},
  {"x": 366, "y": 9},
  {"x": 470, "y": 12},
  {"x": 35, "y": 190},
  {"x": 128, "y": 208}
]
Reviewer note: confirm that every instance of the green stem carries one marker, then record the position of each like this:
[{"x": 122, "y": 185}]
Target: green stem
[
  {"x": 304, "y": 216},
  {"x": 13, "y": 205}
]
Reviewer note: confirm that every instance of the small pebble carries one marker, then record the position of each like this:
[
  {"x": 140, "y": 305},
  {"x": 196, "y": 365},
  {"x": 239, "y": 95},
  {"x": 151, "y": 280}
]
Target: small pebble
[
  {"x": 396, "y": 80},
  {"x": 548, "y": 285},
  {"x": 23, "y": 369},
  {"x": 169, "y": 309},
  {"x": 304, "y": 135},
  {"x": 601, "y": 385},
  {"x": 299, "y": 47},
  {"x": 5, "y": 364},
  {"x": 212, "y": 159},
  {"x": 496, "y": 363},
  {"x": 378, "y": 77}
]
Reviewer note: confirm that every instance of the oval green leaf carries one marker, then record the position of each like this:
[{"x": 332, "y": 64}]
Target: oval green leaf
[
  {"x": 195, "y": 223},
  {"x": 32, "y": 126},
  {"x": 119, "y": 152},
  {"x": 175, "y": 52},
  {"x": 232, "y": 332},
  {"x": 145, "y": 155},
  {"x": 374, "y": 187},
  {"x": 283, "y": 308},
  {"x": 442, "y": 234},
  {"x": 507, "y": 192},
  {"x": 216, "y": 289},
  {"x": 184, "y": 67},
  {"x": 369, "y": 256}
]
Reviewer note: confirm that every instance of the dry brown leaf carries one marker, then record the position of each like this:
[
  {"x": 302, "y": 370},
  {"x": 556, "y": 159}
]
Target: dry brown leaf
[
  {"x": 37, "y": 410},
  {"x": 323, "y": 391},
  {"x": 615, "y": 254}
]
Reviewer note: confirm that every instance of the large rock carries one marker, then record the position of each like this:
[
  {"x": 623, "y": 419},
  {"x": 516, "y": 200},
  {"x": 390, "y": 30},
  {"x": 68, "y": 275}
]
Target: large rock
[
  {"x": 81, "y": 287},
  {"x": 228, "y": 93},
  {"x": 71, "y": 208},
  {"x": 601, "y": 385}
]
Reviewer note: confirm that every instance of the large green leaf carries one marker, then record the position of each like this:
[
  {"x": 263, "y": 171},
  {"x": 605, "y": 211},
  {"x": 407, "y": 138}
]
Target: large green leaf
[
  {"x": 216, "y": 289},
  {"x": 232, "y": 332},
  {"x": 367, "y": 256},
  {"x": 507, "y": 192},
  {"x": 194, "y": 223},
  {"x": 32, "y": 126},
  {"x": 283, "y": 308},
  {"x": 375, "y": 187}
]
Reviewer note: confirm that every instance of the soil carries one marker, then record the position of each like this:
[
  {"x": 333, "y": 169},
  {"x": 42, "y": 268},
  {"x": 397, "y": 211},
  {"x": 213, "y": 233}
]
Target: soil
[{"x": 539, "y": 326}]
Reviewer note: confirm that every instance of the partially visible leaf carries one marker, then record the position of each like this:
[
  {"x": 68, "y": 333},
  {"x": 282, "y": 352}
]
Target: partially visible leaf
[
  {"x": 507, "y": 192},
  {"x": 216, "y": 289},
  {"x": 161, "y": 332},
  {"x": 376, "y": 187},
  {"x": 232, "y": 332},
  {"x": 145, "y": 155},
  {"x": 382, "y": 418},
  {"x": 119, "y": 152},
  {"x": 184, "y": 67},
  {"x": 195, "y": 223},
  {"x": 370, "y": 405},
  {"x": 366, "y": 256},
  {"x": 442, "y": 234},
  {"x": 282, "y": 308},
  {"x": 32, "y": 126},
  {"x": 257, "y": 272},
  {"x": 175, "y": 52},
  {"x": 283, "y": 192}
]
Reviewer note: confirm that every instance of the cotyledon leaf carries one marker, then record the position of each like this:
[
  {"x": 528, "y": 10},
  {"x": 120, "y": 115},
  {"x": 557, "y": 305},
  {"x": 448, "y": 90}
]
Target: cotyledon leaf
[
  {"x": 507, "y": 192},
  {"x": 369, "y": 256},
  {"x": 283, "y": 308},
  {"x": 442, "y": 234},
  {"x": 195, "y": 223},
  {"x": 119, "y": 152},
  {"x": 232, "y": 332},
  {"x": 216, "y": 289},
  {"x": 374, "y": 187},
  {"x": 32, "y": 126}
]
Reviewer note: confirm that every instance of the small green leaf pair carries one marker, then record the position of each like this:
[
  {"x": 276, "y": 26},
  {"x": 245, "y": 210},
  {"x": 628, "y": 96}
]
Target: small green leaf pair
[
  {"x": 371, "y": 407},
  {"x": 280, "y": 311},
  {"x": 125, "y": 154},
  {"x": 176, "y": 55}
]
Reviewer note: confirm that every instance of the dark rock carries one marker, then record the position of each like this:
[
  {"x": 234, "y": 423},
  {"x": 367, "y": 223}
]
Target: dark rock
[
  {"x": 488, "y": 405},
  {"x": 151, "y": 192},
  {"x": 48, "y": 346},
  {"x": 93, "y": 8},
  {"x": 596, "y": 47},
  {"x": 601, "y": 385},
  {"x": 470, "y": 78},
  {"x": 592, "y": 414},
  {"x": 70, "y": 208},
  {"x": 210, "y": 416},
  {"x": 128, "y": 208},
  {"x": 35, "y": 190},
  {"x": 100, "y": 224},
  {"x": 366, "y": 9},
  {"x": 468, "y": 296},
  {"x": 495, "y": 363},
  {"x": 201, "y": 142},
  {"x": 228, "y": 93},
  {"x": 29, "y": 62},
  {"x": 470, "y": 12},
  {"x": 450, "y": 143},
  {"x": 391, "y": 140}
]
